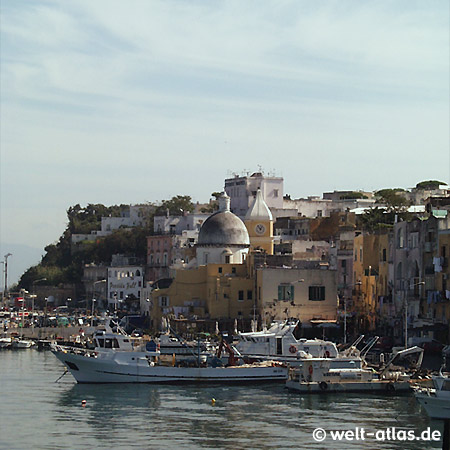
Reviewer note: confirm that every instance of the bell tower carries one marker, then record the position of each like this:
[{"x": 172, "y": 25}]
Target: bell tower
[{"x": 259, "y": 223}]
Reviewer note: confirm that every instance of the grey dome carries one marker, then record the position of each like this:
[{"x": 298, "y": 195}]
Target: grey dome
[{"x": 223, "y": 228}]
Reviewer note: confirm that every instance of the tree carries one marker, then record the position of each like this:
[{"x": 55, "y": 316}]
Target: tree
[
  {"x": 176, "y": 206},
  {"x": 213, "y": 204},
  {"x": 393, "y": 201},
  {"x": 430, "y": 184}
]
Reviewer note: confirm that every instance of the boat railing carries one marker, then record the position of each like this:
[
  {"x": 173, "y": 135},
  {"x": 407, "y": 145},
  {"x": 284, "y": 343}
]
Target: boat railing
[{"x": 75, "y": 350}]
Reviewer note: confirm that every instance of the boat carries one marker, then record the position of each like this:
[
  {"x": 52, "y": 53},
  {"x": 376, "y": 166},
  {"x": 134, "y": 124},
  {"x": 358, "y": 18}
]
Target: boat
[
  {"x": 113, "y": 358},
  {"x": 22, "y": 343},
  {"x": 5, "y": 342},
  {"x": 317, "y": 375},
  {"x": 278, "y": 343},
  {"x": 436, "y": 400}
]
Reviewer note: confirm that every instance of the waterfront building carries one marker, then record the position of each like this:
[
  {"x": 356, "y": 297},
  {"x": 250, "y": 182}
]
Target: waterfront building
[{"x": 309, "y": 295}]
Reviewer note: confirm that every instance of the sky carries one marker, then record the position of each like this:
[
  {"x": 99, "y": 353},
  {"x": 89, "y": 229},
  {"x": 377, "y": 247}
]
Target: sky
[{"x": 114, "y": 102}]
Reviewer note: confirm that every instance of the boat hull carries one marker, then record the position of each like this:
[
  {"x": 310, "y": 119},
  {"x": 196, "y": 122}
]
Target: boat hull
[
  {"x": 124, "y": 367},
  {"x": 376, "y": 386},
  {"x": 436, "y": 408}
]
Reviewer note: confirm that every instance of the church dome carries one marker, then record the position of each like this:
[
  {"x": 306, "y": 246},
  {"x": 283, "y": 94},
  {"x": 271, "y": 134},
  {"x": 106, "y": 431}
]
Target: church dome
[{"x": 223, "y": 228}]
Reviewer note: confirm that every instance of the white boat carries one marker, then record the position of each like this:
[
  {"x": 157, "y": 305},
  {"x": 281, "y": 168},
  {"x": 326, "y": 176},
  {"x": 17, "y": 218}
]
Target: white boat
[
  {"x": 436, "y": 400},
  {"x": 115, "y": 360},
  {"x": 22, "y": 343},
  {"x": 278, "y": 343},
  {"x": 5, "y": 342},
  {"x": 317, "y": 375}
]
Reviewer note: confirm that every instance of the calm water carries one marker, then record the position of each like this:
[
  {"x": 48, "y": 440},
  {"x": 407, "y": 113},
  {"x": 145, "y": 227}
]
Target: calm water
[{"x": 37, "y": 413}]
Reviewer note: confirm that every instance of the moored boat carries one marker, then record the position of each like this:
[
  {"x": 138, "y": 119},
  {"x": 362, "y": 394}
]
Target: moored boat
[
  {"x": 436, "y": 400},
  {"x": 113, "y": 359},
  {"x": 316, "y": 375}
]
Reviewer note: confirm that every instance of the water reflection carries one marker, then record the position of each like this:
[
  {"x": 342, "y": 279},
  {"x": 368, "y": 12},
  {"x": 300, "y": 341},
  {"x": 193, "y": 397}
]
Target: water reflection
[{"x": 264, "y": 417}]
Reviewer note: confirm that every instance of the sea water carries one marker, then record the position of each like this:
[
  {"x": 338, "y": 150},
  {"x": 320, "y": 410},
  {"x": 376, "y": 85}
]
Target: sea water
[{"x": 39, "y": 412}]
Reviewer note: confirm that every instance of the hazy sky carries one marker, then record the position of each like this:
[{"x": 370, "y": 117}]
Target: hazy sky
[{"x": 106, "y": 101}]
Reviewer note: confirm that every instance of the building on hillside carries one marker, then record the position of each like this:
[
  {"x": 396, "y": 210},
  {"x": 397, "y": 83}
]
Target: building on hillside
[
  {"x": 167, "y": 224},
  {"x": 242, "y": 191},
  {"x": 167, "y": 251},
  {"x": 130, "y": 217}
]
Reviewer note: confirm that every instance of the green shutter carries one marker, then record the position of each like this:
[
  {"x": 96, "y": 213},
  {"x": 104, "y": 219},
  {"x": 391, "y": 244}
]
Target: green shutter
[{"x": 280, "y": 292}]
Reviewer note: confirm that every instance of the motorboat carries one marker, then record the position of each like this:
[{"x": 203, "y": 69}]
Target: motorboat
[
  {"x": 5, "y": 342},
  {"x": 316, "y": 375},
  {"x": 22, "y": 343},
  {"x": 436, "y": 400},
  {"x": 278, "y": 343},
  {"x": 113, "y": 358}
]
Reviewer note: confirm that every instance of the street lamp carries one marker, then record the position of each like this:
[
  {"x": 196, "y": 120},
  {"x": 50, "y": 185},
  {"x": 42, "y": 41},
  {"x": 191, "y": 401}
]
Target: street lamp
[
  {"x": 420, "y": 283},
  {"x": 93, "y": 299},
  {"x": 5, "y": 292}
]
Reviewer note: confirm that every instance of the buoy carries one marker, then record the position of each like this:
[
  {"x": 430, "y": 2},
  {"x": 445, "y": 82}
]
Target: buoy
[
  {"x": 83, "y": 403},
  {"x": 213, "y": 401}
]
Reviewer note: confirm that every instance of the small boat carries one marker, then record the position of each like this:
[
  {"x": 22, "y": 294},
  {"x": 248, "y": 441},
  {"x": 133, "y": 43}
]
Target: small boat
[
  {"x": 5, "y": 342},
  {"x": 436, "y": 400},
  {"x": 317, "y": 375},
  {"x": 113, "y": 358},
  {"x": 22, "y": 343}
]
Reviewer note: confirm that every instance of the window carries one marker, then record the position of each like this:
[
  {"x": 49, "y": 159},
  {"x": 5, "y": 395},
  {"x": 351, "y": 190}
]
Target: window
[
  {"x": 205, "y": 258},
  {"x": 220, "y": 269},
  {"x": 319, "y": 213},
  {"x": 241, "y": 295},
  {"x": 275, "y": 192},
  {"x": 227, "y": 259},
  {"x": 233, "y": 270},
  {"x": 249, "y": 295},
  {"x": 316, "y": 293},
  {"x": 163, "y": 301},
  {"x": 285, "y": 292},
  {"x": 384, "y": 255}
]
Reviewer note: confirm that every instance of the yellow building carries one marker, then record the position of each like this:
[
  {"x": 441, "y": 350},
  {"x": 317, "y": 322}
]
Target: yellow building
[
  {"x": 259, "y": 223},
  {"x": 221, "y": 286},
  {"x": 366, "y": 262}
]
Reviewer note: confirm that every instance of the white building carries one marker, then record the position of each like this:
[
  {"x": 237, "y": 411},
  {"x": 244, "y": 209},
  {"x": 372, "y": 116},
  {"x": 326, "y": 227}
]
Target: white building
[
  {"x": 124, "y": 282},
  {"x": 178, "y": 224},
  {"x": 242, "y": 191}
]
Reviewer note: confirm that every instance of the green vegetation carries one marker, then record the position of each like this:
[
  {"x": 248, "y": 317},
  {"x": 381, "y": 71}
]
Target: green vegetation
[
  {"x": 430, "y": 184},
  {"x": 63, "y": 261},
  {"x": 393, "y": 199},
  {"x": 176, "y": 206},
  {"x": 353, "y": 196}
]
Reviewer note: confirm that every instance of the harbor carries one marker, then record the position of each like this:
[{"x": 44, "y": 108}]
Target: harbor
[{"x": 44, "y": 414}]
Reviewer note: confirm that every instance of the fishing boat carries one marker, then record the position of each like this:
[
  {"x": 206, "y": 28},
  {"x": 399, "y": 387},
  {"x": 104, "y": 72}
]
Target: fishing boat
[
  {"x": 316, "y": 375},
  {"x": 113, "y": 358},
  {"x": 278, "y": 343},
  {"x": 436, "y": 400}
]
